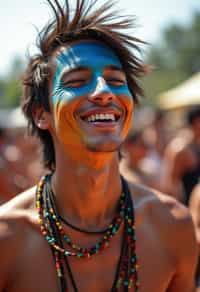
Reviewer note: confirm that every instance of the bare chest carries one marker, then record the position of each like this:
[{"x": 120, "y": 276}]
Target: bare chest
[{"x": 36, "y": 268}]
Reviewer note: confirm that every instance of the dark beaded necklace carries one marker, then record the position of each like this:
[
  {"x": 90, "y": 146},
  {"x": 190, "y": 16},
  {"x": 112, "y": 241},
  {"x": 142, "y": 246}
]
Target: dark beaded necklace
[{"x": 52, "y": 229}]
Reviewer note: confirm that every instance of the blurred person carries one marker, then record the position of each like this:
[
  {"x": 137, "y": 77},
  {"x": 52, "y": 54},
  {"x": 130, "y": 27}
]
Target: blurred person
[
  {"x": 7, "y": 188},
  {"x": 22, "y": 162},
  {"x": 144, "y": 149},
  {"x": 140, "y": 161},
  {"x": 157, "y": 133},
  {"x": 135, "y": 149},
  {"x": 84, "y": 227},
  {"x": 182, "y": 159},
  {"x": 194, "y": 205},
  {"x": 26, "y": 160}
]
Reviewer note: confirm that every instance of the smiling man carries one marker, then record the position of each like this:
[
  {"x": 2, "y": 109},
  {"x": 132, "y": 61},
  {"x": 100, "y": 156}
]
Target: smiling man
[{"x": 84, "y": 227}]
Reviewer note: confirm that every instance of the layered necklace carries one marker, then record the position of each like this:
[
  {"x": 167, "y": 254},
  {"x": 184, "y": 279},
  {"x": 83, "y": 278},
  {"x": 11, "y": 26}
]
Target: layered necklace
[{"x": 63, "y": 247}]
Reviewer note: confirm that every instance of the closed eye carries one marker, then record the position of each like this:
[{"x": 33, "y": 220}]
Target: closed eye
[
  {"x": 75, "y": 83},
  {"x": 115, "y": 82}
]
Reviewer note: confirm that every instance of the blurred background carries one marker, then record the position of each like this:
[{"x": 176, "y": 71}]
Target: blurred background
[{"x": 162, "y": 149}]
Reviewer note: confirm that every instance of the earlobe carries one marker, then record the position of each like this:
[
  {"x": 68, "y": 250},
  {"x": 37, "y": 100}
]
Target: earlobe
[{"x": 41, "y": 119}]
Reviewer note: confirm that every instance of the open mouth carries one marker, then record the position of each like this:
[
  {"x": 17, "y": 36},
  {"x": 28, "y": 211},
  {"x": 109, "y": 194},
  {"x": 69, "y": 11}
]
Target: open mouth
[{"x": 101, "y": 117}]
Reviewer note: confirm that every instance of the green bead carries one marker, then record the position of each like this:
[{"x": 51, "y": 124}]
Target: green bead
[
  {"x": 46, "y": 215},
  {"x": 126, "y": 283},
  {"x": 132, "y": 260}
]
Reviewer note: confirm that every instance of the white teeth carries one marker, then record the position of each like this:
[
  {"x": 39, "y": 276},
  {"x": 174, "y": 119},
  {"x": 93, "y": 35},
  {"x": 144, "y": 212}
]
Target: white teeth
[
  {"x": 112, "y": 117},
  {"x": 101, "y": 116}
]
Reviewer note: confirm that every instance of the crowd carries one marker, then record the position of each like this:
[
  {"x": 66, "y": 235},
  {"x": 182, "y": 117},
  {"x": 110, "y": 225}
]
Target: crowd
[
  {"x": 20, "y": 166},
  {"x": 167, "y": 158},
  {"x": 158, "y": 153}
]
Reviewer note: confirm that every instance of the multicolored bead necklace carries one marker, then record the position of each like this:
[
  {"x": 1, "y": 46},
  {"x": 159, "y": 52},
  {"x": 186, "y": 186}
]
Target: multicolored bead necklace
[{"x": 52, "y": 229}]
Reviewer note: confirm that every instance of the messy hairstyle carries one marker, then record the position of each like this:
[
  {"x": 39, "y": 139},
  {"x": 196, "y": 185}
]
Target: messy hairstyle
[{"x": 69, "y": 24}]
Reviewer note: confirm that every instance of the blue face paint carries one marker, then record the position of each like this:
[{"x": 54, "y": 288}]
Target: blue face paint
[{"x": 96, "y": 57}]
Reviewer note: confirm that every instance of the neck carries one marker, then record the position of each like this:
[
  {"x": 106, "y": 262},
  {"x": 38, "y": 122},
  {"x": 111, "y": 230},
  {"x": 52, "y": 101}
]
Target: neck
[{"x": 87, "y": 195}]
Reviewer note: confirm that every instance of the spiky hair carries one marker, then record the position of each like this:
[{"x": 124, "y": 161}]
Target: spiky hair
[{"x": 69, "y": 24}]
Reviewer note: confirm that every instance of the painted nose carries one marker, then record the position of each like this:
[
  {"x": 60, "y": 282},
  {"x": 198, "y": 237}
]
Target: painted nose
[{"x": 102, "y": 93}]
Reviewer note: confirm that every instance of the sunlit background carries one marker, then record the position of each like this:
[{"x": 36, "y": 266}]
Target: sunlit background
[
  {"x": 171, "y": 29},
  {"x": 19, "y": 21}
]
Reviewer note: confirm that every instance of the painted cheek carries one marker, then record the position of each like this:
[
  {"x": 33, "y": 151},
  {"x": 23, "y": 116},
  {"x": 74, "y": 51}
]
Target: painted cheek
[
  {"x": 121, "y": 90},
  {"x": 126, "y": 99},
  {"x": 65, "y": 123},
  {"x": 128, "y": 103}
]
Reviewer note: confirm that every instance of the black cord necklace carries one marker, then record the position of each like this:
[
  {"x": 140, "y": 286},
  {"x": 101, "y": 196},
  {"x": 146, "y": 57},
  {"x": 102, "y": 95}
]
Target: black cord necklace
[
  {"x": 126, "y": 271},
  {"x": 66, "y": 222}
]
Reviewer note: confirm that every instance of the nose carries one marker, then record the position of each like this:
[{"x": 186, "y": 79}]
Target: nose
[{"x": 102, "y": 93}]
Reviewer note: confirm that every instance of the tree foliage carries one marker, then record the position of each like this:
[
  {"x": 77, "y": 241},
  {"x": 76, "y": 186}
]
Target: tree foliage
[
  {"x": 175, "y": 58},
  {"x": 10, "y": 85}
]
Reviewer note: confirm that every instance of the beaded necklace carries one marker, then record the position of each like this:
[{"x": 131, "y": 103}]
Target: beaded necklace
[{"x": 62, "y": 246}]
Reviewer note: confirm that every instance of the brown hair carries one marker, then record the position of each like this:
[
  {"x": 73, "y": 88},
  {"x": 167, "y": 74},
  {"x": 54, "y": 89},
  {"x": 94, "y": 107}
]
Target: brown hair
[{"x": 69, "y": 24}]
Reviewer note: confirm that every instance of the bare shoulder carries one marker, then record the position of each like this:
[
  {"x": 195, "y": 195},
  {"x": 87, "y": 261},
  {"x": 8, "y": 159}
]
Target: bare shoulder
[
  {"x": 19, "y": 207},
  {"x": 17, "y": 218},
  {"x": 17, "y": 212},
  {"x": 159, "y": 204},
  {"x": 170, "y": 219}
]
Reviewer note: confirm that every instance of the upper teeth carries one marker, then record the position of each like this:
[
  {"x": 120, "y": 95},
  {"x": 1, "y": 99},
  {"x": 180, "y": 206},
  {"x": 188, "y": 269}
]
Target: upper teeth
[{"x": 93, "y": 118}]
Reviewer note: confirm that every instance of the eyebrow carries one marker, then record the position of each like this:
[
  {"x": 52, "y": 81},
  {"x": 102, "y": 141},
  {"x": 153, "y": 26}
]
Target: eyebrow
[
  {"x": 114, "y": 68},
  {"x": 85, "y": 68},
  {"x": 73, "y": 70}
]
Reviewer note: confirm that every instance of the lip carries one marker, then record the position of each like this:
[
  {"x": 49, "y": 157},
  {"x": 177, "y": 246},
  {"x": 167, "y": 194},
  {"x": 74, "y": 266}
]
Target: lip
[
  {"x": 95, "y": 111},
  {"x": 101, "y": 125}
]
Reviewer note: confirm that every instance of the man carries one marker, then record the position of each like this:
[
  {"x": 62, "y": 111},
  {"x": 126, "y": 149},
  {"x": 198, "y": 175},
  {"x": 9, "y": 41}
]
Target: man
[
  {"x": 183, "y": 160},
  {"x": 95, "y": 232}
]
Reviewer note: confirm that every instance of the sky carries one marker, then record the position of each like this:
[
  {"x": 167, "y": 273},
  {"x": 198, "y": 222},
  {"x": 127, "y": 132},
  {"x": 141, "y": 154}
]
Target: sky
[{"x": 20, "y": 19}]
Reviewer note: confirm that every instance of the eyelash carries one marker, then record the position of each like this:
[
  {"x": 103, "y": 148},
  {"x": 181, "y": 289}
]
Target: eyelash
[{"x": 84, "y": 81}]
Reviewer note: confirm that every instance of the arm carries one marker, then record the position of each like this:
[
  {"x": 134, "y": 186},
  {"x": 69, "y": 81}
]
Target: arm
[
  {"x": 175, "y": 165},
  {"x": 194, "y": 206},
  {"x": 8, "y": 250},
  {"x": 5, "y": 254},
  {"x": 185, "y": 252}
]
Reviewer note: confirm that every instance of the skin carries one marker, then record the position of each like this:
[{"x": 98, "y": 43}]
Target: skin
[
  {"x": 87, "y": 194},
  {"x": 195, "y": 210},
  {"x": 180, "y": 158},
  {"x": 194, "y": 206}
]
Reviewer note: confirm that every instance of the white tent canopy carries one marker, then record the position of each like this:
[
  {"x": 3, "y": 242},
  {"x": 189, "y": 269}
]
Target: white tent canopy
[{"x": 186, "y": 94}]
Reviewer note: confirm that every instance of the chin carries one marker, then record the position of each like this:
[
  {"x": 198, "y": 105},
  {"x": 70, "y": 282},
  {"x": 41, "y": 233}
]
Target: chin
[{"x": 111, "y": 146}]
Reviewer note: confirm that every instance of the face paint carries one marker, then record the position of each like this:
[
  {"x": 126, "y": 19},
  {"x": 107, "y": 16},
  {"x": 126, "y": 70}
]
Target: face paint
[
  {"x": 68, "y": 96},
  {"x": 94, "y": 55}
]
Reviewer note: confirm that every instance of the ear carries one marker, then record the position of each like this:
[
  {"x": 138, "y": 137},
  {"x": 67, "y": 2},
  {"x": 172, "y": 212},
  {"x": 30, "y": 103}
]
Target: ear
[{"x": 41, "y": 118}]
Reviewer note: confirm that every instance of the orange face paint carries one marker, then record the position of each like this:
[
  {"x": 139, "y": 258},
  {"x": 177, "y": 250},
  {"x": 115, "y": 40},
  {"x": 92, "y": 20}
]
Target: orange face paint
[{"x": 91, "y": 102}]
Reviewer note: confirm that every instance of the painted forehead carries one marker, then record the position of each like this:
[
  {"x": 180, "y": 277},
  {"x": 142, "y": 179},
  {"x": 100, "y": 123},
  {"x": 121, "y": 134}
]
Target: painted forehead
[{"x": 87, "y": 53}]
